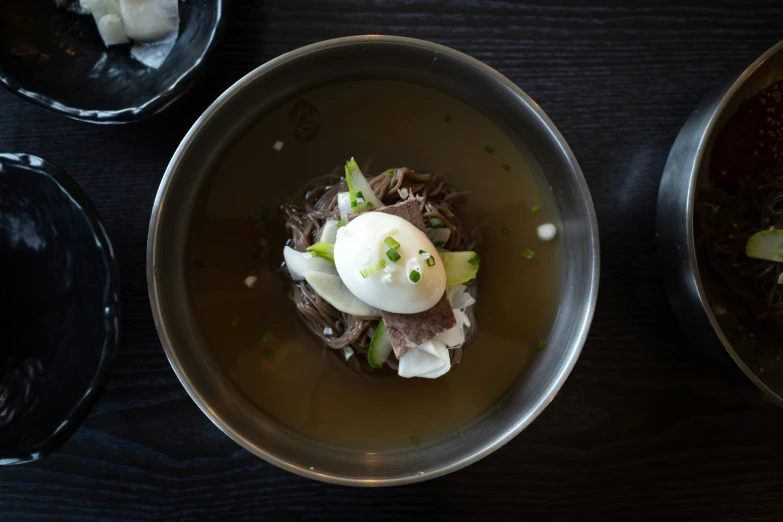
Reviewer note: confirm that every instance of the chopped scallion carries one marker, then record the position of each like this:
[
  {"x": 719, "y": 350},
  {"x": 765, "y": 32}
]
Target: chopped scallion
[
  {"x": 474, "y": 260},
  {"x": 267, "y": 337},
  {"x": 391, "y": 243},
  {"x": 354, "y": 204},
  {"x": 393, "y": 255},
  {"x": 359, "y": 195},
  {"x": 436, "y": 222},
  {"x": 373, "y": 268},
  {"x": 540, "y": 345},
  {"x": 534, "y": 210},
  {"x": 439, "y": 243},
  {"x": 504, "y": 231},
  {"x": 447, "y": 118},
  {"x": 414, "y": 276},
  {"x": 489, "y": 149},
  {"x": 342, "y": 223},
  {"x": 528, "y": 254},
  {"x": 369, "y": 206},
  {"x": 430, "y": 261}
]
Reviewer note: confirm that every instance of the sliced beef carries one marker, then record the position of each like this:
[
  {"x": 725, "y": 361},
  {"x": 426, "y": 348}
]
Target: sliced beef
[
  {"x": 407, "y": 210},
  {"x": 407, "y": 331}
]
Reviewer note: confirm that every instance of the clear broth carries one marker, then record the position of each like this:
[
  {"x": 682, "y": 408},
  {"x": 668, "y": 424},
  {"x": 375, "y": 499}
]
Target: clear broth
[{"x": 291, "y": 377}]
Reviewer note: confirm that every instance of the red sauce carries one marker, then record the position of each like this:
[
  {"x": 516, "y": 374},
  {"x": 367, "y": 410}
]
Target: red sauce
[{"x": 751, "y": 140}]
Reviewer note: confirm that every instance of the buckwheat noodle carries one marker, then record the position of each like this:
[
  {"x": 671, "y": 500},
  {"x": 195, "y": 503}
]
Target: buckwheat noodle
[{"x": 750, "y": 288}]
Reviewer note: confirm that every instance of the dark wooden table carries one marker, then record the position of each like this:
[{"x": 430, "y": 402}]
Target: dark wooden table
[{"x": 644, "y": 429}]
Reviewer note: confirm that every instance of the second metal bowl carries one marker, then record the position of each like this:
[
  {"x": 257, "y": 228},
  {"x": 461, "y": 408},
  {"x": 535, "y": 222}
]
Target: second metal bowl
[{"x": 684, "y": 174}]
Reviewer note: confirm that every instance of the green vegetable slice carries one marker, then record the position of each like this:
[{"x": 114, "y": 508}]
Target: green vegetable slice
[
  {"x": 380, "y": 346},
  {"x": 358, "y": 187},
  {"x": 767, "y": 245},
  {"x": 324, "y": 250},
  {"x": 373, "y": 269},
  {"x": 460, "y": 267}
]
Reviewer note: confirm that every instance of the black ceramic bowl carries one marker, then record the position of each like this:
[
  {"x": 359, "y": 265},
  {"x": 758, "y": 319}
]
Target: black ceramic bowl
[
  {"x": 56, "y": 58},
  {"x": 59, "y": 307}
]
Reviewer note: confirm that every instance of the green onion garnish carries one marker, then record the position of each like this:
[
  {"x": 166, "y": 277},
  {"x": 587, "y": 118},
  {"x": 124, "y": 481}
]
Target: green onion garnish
[
  {"x": 506, "y": 167},
  {"x": 342, "y": 223},
  {"x": 267, "y": 337},
  {"x": 369, "y": 205},
  {"x": 391, "y": 243},
  {"x": 528, "y": 254},
  {"x": 359, "y": 195},
  {"x": 393, "y": 255},
  {"x": 489, "y": 149},
  {"x": 474, "y": 260},
  {"x": 199, "y": 263},
  {"x": 414, "y": 276},
  {"x": 447, "y": 118},
  {"x": 255, "y": 252},
  {"x": 439, "y": 243},
  {"x": 422, "y": 251},
  {"x": 373, "y": 268},
  {"x": 414, "y": 440},
  {"x": 504, "y": 231},
  {"x": 388, "y": 173},
  {"x": 534, "y": 210},
  {"x": 430, "y": 261},
  {"x": 540, "y": 345},
  {"x": 270, "y": 357},
  {"x": 354, "y": 204},
  {"x": 436, "y": 222}
]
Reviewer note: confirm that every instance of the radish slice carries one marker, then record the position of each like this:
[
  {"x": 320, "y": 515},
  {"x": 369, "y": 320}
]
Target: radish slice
[
  {"x": 429, "y": 360},
  {"x": 329, "y": 232},
  {"x": 299, "y": 262},
  {"x": 344, "y": 202},
  {"x": 150, "y": 20},
  {"x": 332, "y": 289}
]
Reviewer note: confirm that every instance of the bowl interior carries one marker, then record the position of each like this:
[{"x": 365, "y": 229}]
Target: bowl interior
[
  {"x": 760, "y": 365},
  {"x": 59, "y": 322},
  {"x": 57, "y": 59},
  {"x": 283, "y": 80}
]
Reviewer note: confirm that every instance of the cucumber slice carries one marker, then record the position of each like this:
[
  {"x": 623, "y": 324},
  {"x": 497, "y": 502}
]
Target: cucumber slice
[
  {"x": 297, "y": 264},
  {"x": 357, "y": 183},
  {"x": 324, "y": 250},
  {"x": 767, "y": 245},
  {"x": 460, "y": 267},
  {"x": 332, "y": 289},
  {"x": 329, "y": 232},
  {"x": 380, "y": 346}
]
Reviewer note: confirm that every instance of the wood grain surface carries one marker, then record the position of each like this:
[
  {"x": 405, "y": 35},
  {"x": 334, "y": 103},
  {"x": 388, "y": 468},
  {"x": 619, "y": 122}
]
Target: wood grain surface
[{"x": 644, "y": 429}]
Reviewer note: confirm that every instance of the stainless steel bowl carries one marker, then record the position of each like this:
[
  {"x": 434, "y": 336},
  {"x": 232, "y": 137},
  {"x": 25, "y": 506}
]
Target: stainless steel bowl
[
  {"x": 684, "y": 174},
  {"x": 280, "y": 80}
]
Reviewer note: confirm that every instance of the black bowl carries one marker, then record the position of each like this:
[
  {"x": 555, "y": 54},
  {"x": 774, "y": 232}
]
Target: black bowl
[
  {"x": 59, "y": 307},
  {"x": 56, "y": 58}
]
